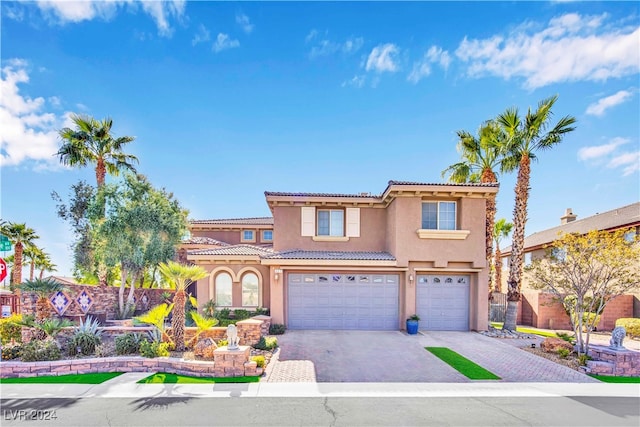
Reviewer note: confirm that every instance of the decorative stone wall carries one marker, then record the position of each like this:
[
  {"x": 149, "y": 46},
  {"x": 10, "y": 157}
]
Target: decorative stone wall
[
  {"x": 623, "y": 363},
  {"x": 266, "y": 323},
  {"x": 104, "y": 300},
  {"x": 170, "y": 365},
  {"x": 249, "y": 331}
]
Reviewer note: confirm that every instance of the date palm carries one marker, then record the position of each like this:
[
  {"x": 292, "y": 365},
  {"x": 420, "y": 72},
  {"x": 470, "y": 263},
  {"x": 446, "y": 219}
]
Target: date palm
[
  {"x": 481, "y": 159},
  {"x": 501, "y": 230},
  {"x": 527, "y": 136},
  {"x": 20, "y": 236},
  {"x": 31, "y": 254},
  {"x": 44, "y": 288},
  {"x": 44, "y": 263},
  {"x": 91, "y": 142},
  {"x": 180, "y": 276}
]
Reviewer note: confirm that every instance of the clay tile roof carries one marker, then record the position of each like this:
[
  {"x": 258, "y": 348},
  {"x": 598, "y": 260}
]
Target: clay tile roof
[
  {"x": 284, "y": 194},
  {"x": 239, "y": 250},
  {"x": 267, "y": 220},
  {"x": 448, "y": 184},
  {"x": 204, "y": 241},
  {"x": 332, "y": 255},
  {"x": 616, "y": 218}
]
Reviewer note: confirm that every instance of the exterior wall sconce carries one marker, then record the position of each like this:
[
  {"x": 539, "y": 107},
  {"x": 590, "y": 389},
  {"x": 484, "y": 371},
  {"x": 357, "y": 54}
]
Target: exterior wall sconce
[
  {"x": 411, "y": 277},
  {"x": 277, "y": 273}
]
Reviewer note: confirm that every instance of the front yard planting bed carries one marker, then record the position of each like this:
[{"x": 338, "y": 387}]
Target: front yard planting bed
[
  {"x": 162, "y": 378},
  {"x": 93, "y": 378},
  {"x": 461, "y": 364}
]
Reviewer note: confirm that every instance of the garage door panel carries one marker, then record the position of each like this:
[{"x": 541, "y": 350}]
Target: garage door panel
[
  {"x": 338, "y": 301},
  {"x": 442, "y": 302}
]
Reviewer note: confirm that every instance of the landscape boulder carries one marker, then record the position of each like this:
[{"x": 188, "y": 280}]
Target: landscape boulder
[
  {"x": 551, "y": 345},
  {"x": 205, "y": 348}
]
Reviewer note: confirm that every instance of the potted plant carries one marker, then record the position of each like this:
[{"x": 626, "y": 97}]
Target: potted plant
[{"x": 412, "y": 324}]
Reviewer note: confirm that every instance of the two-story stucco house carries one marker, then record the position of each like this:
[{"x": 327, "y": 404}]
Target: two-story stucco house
[{"x": 353, "y": 261}]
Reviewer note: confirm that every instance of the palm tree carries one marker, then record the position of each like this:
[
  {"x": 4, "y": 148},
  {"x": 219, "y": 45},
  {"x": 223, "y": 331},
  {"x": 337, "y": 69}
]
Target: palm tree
[
  {"x": 180, "y": 277},
  {"x": 526, "y": 137},
  {"x": 482, "y": 157},
  {"x": 91, "y": 142},
  {"x": 20, "y": 235},
  {"x": 44, "y": 289},
  {"x": 44, "y": 263},
  {"x": 31, "y": 254},
  {"x": 501, "y": 230},
  {"x": 10, "y": 263}
]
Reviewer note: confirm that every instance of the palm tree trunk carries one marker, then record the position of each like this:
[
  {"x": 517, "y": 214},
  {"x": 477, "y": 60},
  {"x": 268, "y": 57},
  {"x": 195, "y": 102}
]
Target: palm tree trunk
[
  {"x": 177, "y": 322},
  {"x": 497, "y": 285},
  {"x": 41, "y": 274},
  {"x": 17, "y": 264},
  {"x": 42, "y": 309},
  {"x": 32, "y": 270},
  {"x": 489, "y": 177},
  {"x": 517, "y": 244},
  {"x": 101, "y": 172}
]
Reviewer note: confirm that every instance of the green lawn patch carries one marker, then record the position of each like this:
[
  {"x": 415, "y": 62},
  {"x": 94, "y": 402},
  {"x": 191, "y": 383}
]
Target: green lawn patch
[
  {"x": 619, "y": 380},
  {"x": 93, "y": 378},
  {"x": 161, "y": 378},
  {"x": 498, "y": 325},
  {"x": 463, "y": 365}
]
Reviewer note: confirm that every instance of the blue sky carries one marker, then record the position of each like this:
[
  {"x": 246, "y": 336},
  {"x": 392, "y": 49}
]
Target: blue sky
[{"x": 227, "y": 100}]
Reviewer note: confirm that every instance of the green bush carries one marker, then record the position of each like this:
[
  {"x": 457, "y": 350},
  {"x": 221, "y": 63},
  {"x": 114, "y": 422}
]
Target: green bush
[
  {"x": 10, "y": 329},
  {"x": 11, "y": 350},
  {"x": 40, "y": 350},
  {"x": 154, "y": 349},
  {"x": 128, "y": 343},
  {"x": 209, "y": 309},
  {"x": 222, "y": 343},
  {"x": 241, "y": 314},
  {"x": 226, "y": 322},
  {"x": 582, "y": 359},
  {"x": 563, "y": 352},
  {"x": 262, "y": 311},
  {"x": 223, "y": 313},
  {"x": 266, "y": 343},
  {"x": 105, "y": 349},
  {"x": 568, "y": 338},
  {"x": 631, "y": 324},
  {"x": 276, "y": 329},
  {"x": 259, "y": 360}
]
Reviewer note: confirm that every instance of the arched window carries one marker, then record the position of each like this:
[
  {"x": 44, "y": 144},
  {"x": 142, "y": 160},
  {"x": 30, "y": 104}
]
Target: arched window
[
  {"x": 223, "y": 290},
  {"x": 250, "y": 290}
]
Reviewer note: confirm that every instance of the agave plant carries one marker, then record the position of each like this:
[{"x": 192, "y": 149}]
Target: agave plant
[
  {"x": 49, "y": 327},
  {"x": 86, "y": 337}
]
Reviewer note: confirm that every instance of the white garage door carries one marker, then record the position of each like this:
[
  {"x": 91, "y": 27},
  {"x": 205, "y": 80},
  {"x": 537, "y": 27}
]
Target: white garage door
[
  {"x": 343, "y": 301},
  {"x": 442, "y": 302}
]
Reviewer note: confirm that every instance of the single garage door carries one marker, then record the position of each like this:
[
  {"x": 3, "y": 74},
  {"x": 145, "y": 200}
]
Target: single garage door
[
  {"x": 442, "y": 302},
  {"x": 343, "y": 301}
]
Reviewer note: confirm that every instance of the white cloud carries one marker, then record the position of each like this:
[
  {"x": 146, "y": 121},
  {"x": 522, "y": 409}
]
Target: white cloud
[
  {"x": 629, "y": 161},
  {"x": 598, "y": 151},
  {"x": 572, "y": 47},
  {"x": 383, "y": 58},
  {"x": 224, "y": 42},
  {"x": 63, "y": 12},
  {"x": 352, "y": 45},
  {"x": 312, "y": 35},
  {"x": 422, "y": 68},
  {"x": 244, "y": 22},
  {"x": 13, "y": 11},
  {"x": 357, "y": 81},
  {"x": 598, "y": 108},
  {"x": 201, "y": 36},
  {"x": 326, "y": 47},
  {"x": 27, "y": 132}
]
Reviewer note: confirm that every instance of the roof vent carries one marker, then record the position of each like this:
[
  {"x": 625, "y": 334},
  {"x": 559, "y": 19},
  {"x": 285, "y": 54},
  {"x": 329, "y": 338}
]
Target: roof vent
[{"x": 568, "y": 217}]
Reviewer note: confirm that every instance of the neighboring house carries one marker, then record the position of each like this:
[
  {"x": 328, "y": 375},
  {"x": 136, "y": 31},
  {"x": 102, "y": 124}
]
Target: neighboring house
[
  {"x": 538, "y": 309},
  {"x": 354, "y": 261}
]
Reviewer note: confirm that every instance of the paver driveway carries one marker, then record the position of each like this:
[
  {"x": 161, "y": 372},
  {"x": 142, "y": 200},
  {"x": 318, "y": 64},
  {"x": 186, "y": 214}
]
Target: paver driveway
[{"x": 381, "y": 356}]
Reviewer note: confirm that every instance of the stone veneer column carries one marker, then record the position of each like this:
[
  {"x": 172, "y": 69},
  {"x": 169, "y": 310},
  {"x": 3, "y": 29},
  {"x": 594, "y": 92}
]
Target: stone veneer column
[
  {"x": 231, "y": 363},
  {"x": 249, "y": 331}
]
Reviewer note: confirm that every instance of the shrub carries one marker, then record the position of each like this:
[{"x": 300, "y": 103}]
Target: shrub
[
  {"x": 222, "y": 343},
  {"x": 582, "y": 359},
  {"x": 241, "y": 314},
  {"x": 154, "y": 349},
  {"x": 266, "y": 343},
  {"x": 262, "y": 311},
  {"x": 105, "y": 349},
  {"x": 223, "y": 313},
  {"x": 11, "y": 350},
  {"x": 226, "y": 322},
  {"x": 10, "y": 329},
  {"x": 632, "y": 325},
  {"x": 276, "y": 329},
  {"x": 563, "y": 352},
  {"x": 40, "y": 350},
  {"x": 85, "y": 337},
  {"x": 209, "y": 309},
  {"x": 568, "y": 338},
  {"x": 259, "y": 360},
  {"x": 128, "y": 343}
]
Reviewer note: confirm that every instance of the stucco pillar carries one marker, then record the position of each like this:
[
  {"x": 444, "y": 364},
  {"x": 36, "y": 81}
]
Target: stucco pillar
[
  {"x": 277, "y": 294},
  {"x": 479, "y": 311}
]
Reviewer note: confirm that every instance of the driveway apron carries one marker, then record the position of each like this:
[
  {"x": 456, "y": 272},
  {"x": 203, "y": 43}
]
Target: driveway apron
[{"x": 394, "y": 356}]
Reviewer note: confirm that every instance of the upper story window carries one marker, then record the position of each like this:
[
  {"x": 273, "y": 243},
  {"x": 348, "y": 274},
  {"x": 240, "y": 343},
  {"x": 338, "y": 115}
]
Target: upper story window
[
  {"x": 248, "y": 236},
  {"x": 439, "y": 215},
  {"x": 330, "y": 222},
  {"x": 267, "y": 235}
]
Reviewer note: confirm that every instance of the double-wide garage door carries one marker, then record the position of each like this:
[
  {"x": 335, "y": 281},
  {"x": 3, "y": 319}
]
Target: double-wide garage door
[
  {"x": 442, "y": 302},
  {"x": 343, "y": 301}
]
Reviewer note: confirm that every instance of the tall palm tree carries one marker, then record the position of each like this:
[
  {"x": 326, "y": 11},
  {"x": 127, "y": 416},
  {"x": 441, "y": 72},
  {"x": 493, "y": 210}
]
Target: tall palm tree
[
  {"x": 44, "y": 263},
  {"x": 481, "y": 159},
  {"x": 31, "y": 254},
  {"x": 527, "y": 136},
  {"x": 501, "y": 230},
  {"x": 180, "y": 276},
  {"x": 20, "y": 235},
  {"x": 44, "y": 289},
  {"x": 91, "y": 142}
]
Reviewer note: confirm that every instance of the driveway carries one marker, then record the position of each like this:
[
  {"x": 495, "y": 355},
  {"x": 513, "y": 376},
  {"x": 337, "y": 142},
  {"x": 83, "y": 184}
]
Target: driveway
[{"x": 394, "y": 356}]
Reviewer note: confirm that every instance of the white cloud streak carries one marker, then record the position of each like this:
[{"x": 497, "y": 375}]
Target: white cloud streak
[
  {"x": 357, "y": 81},
  {"x": 422, "y": 68},
  {"x": 224, "y": 42},
  {"x": 201, "y": 36},
  {"x": 609, "y": 155},
  {"x": 383, "y": 58},
  {"x": 572, "y": 47},
  {"x": 244, "y": 22},
  {"x": 596, "y": 152},
  {"x": 599, "y": 107},
  {"x": 326, "y": 47}
]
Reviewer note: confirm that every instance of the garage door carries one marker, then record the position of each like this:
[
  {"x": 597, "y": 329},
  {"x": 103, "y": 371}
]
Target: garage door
[
  {"x": 343, "y": 301},
  {"x": 442, "y": 302}
]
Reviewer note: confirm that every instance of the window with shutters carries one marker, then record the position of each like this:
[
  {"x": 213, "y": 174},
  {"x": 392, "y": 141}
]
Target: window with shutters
[
  {"x": 330, "y": 222},
  {"x": 327, "y": 224}
]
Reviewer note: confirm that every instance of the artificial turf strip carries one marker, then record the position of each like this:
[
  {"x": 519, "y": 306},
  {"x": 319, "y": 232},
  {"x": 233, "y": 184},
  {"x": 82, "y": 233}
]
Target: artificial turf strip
[
  {"x": 619, "y": 380},
  {"x": 93, "y": 378},
  {"x": 461, "y": 364},
  {"x": 182, "y": 379},
  {"x": 498, "y": 325}
]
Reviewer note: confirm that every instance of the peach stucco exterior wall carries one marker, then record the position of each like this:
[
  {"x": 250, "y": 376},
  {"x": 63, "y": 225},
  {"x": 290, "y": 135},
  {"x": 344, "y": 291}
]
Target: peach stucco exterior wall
[
  {"x": 229, "y": 236},
  {"x": 206, "y": 286},
  {"x": 287, "y": 222}
]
